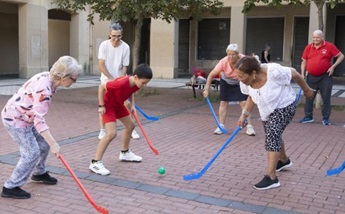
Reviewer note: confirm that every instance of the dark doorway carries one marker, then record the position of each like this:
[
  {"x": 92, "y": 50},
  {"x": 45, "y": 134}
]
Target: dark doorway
[
  {"x": 9, "y": 51},
  {"x": 301, "y": 26},
  {"x": 144, "y": 54},
  {"x": 340, "y": 43},
  {"x": 213, "y": 38},
  {"x": 183, "y": 48},
  {"x": 261, "y": 31}
]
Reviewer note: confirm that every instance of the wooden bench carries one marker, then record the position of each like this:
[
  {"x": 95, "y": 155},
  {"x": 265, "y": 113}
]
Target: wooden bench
[{"x": 200, "y": 86}]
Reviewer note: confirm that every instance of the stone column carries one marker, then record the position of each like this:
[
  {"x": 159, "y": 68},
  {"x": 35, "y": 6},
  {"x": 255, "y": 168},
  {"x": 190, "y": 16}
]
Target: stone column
[
  {"x": 80, "y": 40},
  {"x": 163, "y": 49},
  {"x": 314, "y": 20},
  {"x": 237, "y": 29},
  {"x": 33, "y": 39},
  {"x": 314, "y": 25}
]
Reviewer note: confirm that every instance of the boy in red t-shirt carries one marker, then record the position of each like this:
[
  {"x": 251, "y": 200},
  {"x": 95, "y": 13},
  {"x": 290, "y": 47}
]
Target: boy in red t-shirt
[{"x": 111, "y": 98}]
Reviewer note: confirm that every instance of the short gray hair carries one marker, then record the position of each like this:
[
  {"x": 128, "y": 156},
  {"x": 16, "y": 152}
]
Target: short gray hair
[
  {"x": 65, "y": 66},
  {"x": 115, "y": 26}
]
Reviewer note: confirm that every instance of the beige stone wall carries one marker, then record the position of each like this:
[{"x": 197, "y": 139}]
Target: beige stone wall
[
  {"x": 163, "y": 49},
  {"x": 33, "y": 39},
  {"x": 9, "y": 43},
  {"x": 99, "y": 33},
  {"x": 59, "y": 43},
  {"x": 37, "y": 45},
  {"x": 163, "y": 34},
  {"x": 40, "y": 41},
  {"x": 80, "y": 40}
]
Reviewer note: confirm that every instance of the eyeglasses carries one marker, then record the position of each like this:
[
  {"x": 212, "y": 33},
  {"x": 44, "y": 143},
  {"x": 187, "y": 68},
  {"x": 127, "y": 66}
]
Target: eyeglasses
[
  {"x": 117, "y": 36},
  {"x": 73, "y": 79}
]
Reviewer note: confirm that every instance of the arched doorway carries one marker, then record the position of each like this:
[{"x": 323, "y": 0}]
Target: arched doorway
[
  {"x": 58, "y": 34},
  {"x": 9, "y": 51}
]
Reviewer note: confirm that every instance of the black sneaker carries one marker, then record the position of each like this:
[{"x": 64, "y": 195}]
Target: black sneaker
[
  {"x": 281, "y": 165},
  {"x": 16, "y": 192},
  {"x": 267, "y": 183},
  {"x": 44, "y": 178}
]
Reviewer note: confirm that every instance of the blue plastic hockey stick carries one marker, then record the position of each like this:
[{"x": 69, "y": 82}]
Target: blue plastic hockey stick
[
  {"x": 202, "y": 172},
  {"x": 298, "y": 96},
  {"x": 215, "y": 117},
  {"x": 336, "y": 171},
  {"x": 145, "y": 115}
]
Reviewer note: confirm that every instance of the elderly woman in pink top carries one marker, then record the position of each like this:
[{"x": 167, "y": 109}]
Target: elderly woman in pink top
[
  {"x": 24, "y": 118},
  {"x": 229, "y": 86}
]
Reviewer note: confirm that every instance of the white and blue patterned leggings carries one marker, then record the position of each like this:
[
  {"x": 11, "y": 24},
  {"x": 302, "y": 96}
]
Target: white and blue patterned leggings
[
  {"x": 33, "y": 153},
  {"x": 275, "y": 126}
]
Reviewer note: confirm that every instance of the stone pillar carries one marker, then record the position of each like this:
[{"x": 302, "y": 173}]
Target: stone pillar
[
  {"x": 163, "y": 49},
  {"x": 314, "y": 25},
  {"x": 237, "y": 29},
  {"x": 98, "y": 33},
  {"x": 80, "y": 40},
  {"x": 33, "y": 39},
  {"x": 314, "y": 20}
]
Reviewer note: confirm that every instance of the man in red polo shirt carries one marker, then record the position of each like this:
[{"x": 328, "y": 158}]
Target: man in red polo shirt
[{"x": 317, "y": 62}]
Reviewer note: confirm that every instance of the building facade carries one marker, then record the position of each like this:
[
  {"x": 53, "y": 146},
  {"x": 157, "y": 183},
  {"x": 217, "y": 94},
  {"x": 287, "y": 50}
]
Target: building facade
[{"x": 34, "y": 34}]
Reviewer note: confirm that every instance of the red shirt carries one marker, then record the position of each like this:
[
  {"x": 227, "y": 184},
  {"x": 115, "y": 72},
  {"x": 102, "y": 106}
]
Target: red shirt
[
  {"x": 118, "y": 91},
  {"x": 319, "y": 59}
]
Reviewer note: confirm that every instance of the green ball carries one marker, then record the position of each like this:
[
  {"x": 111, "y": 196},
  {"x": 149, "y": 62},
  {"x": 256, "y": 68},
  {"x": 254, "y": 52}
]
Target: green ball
[{"x": 161, "y": 170}]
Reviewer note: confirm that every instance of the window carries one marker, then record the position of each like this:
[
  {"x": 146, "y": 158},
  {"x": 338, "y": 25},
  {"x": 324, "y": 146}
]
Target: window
[
  {"x": 261, "y": 31},
  {"x": 213, "y": 38}
]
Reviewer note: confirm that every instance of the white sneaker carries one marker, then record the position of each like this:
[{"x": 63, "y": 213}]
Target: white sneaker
[
  {"x": 250, "y": 130},
  {"x": 135, "y": 135},
  {"x": 98, "y": 168},
  {"x": 218, "y": 131},
  {"x": 129, "y": 156},
  {"x": 102, "y": 133}
]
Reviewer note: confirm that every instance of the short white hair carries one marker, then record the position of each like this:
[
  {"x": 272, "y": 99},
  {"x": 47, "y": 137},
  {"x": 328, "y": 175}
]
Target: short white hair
[
  {"x": 232, "y": 47},
  {"x": 318, "y": 32},
  {"x": 66, "y": 66},
  {"x": 256, "y": 57}
]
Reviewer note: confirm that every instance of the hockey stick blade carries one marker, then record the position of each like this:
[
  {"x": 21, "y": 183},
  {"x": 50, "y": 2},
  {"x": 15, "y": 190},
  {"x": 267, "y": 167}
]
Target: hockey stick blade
[
  {"x": 87, "y": 195},
  {"x": 336, "y": 171},
  {"x": 154, "y": 150},
  {"x": 145, "y": 115},
  {"x": 298, "y": 96},
  {"x": 202, "y": 172},
  {"x": 215, "y": 117}
]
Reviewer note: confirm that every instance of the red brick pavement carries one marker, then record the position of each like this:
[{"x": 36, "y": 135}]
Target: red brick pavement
[{"x": 185, "y": 140}]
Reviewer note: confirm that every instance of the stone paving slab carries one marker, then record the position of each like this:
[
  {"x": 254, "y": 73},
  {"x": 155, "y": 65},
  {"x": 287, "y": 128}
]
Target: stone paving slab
[{"x": 184, "y": 137}]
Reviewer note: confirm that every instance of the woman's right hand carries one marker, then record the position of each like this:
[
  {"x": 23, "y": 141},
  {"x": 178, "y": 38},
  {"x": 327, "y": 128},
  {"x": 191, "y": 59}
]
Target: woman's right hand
[
  {"x": 55, "y": 149},
  {"x": 205, "y": 93},
  {"x": 309, "y": 93},
  {"x": 242, "y": 121}
]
